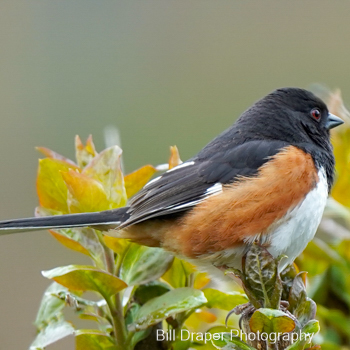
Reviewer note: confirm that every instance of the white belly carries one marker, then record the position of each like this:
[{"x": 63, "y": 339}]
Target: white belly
[{"x": 292, "y": 234}]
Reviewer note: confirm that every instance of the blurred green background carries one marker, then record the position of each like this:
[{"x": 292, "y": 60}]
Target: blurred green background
[{"x": 163, "y": 72}]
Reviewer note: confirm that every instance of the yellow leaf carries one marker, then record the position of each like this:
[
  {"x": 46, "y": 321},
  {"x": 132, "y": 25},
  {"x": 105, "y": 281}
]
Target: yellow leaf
[
  {"x": 84, "y": 193},
  {"x": 201, "y": 280},
  {"x": 341, "y": 188},
  {"x": 118, "y": 245},
  {"x": 137, "y": 179},
  {"x": 69, "y": 243},
  {"x": 106, "y": 169},
  {"x": 92, "y": 339},
  {"x": 177, "y": 275},
  {"x": 198, "y": 317},
  {"x": 84, "y": 154},
  {"x": 174, "y": 159},
  {"x": 82, "y": 277},
  {"x": 51, "y": 189}
]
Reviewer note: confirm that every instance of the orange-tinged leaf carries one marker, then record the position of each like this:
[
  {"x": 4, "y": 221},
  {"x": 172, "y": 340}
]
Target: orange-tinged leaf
[
  {"x": 84, "y": 154},
  {"x": 84, "y": 193},
  {"x": 270, "y": 320},
  {"x": 69, "y": 243},
  {"x": 137, "y": 179},
  {"x": 84, "y": 239},
  {"x": 51, "y": 189},
  {"x": 52, "y": 154},
  {"x": 199, "y": 316},
  {"x": 118, "y": 245},
  {"x": 201, "y": 280},
  {"x": 174, "y": 159},
  {"x": 84, "y": 278},
  {"x": 106, "y": 169}
]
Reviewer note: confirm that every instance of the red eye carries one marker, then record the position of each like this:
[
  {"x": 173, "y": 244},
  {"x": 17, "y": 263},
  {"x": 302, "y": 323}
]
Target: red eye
[{"x": 316, "y": 114}]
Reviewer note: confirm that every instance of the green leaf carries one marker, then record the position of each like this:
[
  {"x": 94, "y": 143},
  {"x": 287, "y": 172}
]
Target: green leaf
[
  {"x": 51, "y": 305},
  {"x": 271, "y": 321},
  {"x": 177, "y": 275},
  {"x": 227, "y": 341},
  {"x": 84, "y": 240},
  {"x": 206, "y": 344},
  {"x": 287, "y": 277},
  {"x": 169, "y": 304},
  {"x": 138, "y": 336},
  {"x": 51, "y": 189},
  {"x": 55, "y": 331},
  {"x": 149, "y": 291},
  {"x": 106, "y": 169},
  {"x": 82, "y": 277},
  {"x": 91, "y": 339},
  {"x": 306, "y": 311},
  {"x": 297, "y": 293},
  {"x": 95, "y": 311},
  {"x": 129, "y": 319},
  {"x": 142, "y": 264},
  {"x": 310, "y": 329},
  {"x": 224, "y": 301},
  {"x": 262, "y": 279}
]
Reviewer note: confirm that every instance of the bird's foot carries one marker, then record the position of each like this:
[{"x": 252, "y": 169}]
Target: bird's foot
[{"x": 247, "y": 310}]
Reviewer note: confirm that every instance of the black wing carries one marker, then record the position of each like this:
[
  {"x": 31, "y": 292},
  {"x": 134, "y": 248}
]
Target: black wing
[{"x": 182, "y": 187}]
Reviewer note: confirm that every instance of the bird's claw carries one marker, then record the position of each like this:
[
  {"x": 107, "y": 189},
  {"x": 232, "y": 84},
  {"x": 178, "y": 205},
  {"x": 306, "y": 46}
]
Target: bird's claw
[{"x": 247, "y": 309}]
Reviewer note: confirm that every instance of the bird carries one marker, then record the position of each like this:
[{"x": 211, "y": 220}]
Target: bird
[{"x": 265, "y": 179}]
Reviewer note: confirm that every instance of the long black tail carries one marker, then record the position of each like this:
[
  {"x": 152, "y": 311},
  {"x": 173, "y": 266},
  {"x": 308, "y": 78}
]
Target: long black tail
[{"x": 101, "y": 220}]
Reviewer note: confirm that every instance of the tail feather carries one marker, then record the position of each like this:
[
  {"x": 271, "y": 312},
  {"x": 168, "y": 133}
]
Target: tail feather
[{"x": 104, "y": 219}]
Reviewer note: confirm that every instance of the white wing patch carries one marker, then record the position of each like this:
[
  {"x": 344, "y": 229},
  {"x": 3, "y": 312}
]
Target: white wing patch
[
  {"x": 185, "y": 205},
  {"x": 175, "y": 168},
  {"x": 215, "y": 189},
  {"x": 152, "y": 181},
  {"x": 181, "y": 166}
]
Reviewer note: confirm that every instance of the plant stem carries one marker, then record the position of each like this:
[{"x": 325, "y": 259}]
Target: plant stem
[
  {"x": 108, "y": 253},
  {"x": 120, "y": 333}
]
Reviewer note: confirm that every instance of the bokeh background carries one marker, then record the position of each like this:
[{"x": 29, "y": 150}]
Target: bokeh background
[{"x": 162, "y": 72}]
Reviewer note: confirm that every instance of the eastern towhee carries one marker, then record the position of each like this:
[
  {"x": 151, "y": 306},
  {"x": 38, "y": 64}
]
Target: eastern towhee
[{"x": 265, "y": 179}]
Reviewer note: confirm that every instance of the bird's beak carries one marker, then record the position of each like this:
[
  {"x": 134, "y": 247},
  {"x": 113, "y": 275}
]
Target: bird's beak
[{"x": 333, "y": 121}]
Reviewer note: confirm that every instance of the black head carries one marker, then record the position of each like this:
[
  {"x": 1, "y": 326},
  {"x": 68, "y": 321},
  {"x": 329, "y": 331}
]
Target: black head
[
  {"x": 292, "y": 115},
  {"x": 296, "y": 117}
]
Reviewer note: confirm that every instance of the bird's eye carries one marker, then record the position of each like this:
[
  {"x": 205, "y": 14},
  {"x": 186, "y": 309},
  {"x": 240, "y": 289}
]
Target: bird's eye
[{"x": 316, "y": 114}]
